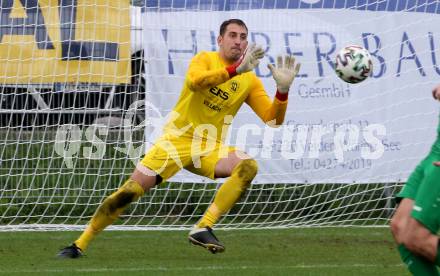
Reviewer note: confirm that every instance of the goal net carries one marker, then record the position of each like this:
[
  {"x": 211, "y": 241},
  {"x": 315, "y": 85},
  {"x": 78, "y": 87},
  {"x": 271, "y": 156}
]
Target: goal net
[{"x": 85, "y": 86}]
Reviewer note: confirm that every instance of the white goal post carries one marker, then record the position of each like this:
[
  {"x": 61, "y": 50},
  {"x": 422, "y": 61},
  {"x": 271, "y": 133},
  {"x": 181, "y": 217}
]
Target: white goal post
[{"x": 83, "y": 84}]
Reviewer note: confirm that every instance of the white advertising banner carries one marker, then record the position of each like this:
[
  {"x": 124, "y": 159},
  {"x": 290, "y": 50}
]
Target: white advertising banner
[{"x": 334, "y": 132}]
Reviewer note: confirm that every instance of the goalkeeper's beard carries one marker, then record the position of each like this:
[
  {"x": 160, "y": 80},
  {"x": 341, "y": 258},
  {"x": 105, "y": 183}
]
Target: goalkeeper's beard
[
  {"x": 233, "y": 58},
  {"x": 236, "y": 57}
]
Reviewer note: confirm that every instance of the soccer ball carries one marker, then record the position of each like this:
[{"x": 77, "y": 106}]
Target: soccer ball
[{"x": 353, "y": 64}]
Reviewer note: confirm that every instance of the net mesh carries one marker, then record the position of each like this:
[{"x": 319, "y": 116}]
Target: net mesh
[{"x": 72, "y": 75}]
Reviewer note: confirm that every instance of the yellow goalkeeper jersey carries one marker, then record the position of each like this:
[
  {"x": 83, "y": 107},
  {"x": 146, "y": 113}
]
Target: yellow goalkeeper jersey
[{"x": 209, "y": 95}]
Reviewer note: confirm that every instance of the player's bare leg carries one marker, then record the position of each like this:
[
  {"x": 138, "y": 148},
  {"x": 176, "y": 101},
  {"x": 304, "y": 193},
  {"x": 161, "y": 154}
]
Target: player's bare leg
[{"x": 241, "y": 169}]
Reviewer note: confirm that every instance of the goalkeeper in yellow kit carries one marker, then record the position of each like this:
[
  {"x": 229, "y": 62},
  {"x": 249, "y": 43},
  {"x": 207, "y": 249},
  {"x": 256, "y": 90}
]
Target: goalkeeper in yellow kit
[{"x": 216, "y": 85}]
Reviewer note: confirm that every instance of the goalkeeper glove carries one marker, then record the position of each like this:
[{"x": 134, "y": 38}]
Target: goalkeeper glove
[
  {"x": 248, "y": 61},
  {"x": 284, "y": 73}
]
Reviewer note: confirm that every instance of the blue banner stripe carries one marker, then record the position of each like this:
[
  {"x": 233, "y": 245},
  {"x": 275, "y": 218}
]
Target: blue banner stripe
[{"x": 423, "y": 6}]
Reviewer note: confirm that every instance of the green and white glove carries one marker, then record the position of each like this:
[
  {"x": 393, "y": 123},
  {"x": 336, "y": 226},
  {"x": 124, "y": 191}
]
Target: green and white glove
[{"x": 284, "y": 73}]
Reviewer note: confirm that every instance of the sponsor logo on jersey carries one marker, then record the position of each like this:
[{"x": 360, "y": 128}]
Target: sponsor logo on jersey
[
  {"x": 212, "y": 106},
  {"x": 234, "y": 86},
  {"x": 219, "y": 93}
]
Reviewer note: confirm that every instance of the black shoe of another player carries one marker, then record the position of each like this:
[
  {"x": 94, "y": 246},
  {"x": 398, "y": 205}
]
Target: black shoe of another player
[
  {"x": 205, "y": 237},
  {"x": 70, "y": 252}
]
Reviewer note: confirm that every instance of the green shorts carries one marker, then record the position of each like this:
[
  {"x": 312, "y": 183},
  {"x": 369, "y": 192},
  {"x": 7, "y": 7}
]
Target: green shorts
[{"x": 423, "y": 186}]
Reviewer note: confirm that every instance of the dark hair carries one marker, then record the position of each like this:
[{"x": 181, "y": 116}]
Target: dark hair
[{"x": 225, "y": 24}]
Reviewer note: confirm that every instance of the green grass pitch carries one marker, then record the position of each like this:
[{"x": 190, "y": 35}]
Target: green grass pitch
[{"x": 297, "y": 251}]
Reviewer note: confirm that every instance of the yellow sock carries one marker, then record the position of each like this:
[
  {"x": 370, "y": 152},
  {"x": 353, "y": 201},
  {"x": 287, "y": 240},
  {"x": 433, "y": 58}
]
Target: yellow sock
[
  {"x": 230, "y": 192},
  {"x": 109, "y": 211}
]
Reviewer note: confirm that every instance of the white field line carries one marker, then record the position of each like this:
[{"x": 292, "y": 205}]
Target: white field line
[{"x": 202, "y": 268}]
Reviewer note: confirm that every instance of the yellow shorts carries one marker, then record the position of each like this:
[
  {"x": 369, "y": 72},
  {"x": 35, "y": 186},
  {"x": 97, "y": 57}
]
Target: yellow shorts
[{"x": 170, "y": 154}]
